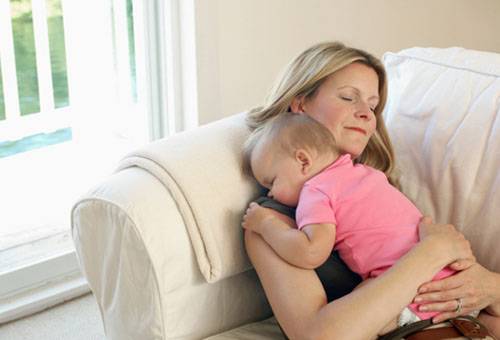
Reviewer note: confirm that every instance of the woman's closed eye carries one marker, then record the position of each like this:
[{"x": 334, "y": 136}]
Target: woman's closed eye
[
  {"x": 373, "y": 105},
  {"x": 353, "y": 99}
]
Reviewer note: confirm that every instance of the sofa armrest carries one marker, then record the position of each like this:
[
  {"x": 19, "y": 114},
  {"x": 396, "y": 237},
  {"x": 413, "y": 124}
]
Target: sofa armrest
[
  {"x": 137, "y": 256},
  {"x": 201, "y": 169}
]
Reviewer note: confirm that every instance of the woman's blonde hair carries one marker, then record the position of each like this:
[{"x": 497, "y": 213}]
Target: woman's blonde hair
[{"x": 306, "y": 73}]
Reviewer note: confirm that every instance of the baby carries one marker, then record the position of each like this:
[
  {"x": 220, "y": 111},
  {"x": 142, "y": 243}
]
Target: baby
[{"x": 351, "y": 207}]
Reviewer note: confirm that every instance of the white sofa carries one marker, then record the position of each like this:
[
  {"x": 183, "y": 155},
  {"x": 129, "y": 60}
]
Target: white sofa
[{"x": 160, "y": 240}]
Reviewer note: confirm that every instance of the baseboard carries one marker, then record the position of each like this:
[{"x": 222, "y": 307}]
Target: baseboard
[{"x": 58, "y": 289}]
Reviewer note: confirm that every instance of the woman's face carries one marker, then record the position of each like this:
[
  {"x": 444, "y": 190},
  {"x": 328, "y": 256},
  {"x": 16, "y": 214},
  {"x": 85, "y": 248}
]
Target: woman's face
[{"x": 345, "y": 103}]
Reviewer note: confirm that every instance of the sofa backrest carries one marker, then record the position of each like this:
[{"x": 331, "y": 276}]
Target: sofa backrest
[{"x": 443, "y": 116}]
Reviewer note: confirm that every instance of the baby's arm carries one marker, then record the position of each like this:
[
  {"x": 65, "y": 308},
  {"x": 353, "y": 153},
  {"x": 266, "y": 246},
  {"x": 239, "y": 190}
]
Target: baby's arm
[
  {"x": 320, "y": 241},
  {"x": 307, "y": 248}
]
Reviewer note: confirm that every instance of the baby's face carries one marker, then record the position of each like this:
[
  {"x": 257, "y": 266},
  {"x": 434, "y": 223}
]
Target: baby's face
[{"x": 279, "y": 172}]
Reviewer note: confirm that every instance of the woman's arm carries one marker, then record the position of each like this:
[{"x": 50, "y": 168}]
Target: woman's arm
[
  {"x": 383, "y": 298},
  {"x": 307, "y": 248},
  {"x": 299, "y": 302}
]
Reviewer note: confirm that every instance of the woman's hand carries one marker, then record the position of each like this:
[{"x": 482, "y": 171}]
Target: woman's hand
[
  {"x": 449, "y": 243},
  {"x": 256, "y": 216},
  {"x": 474, "y": 285},
  {"x": 477, "y": 287}
]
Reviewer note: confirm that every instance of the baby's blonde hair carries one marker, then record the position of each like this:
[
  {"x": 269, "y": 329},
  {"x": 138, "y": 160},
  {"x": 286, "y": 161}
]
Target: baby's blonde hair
[
  {"x": 287, "y": 133},
  {"x": 302, "y": 78}
]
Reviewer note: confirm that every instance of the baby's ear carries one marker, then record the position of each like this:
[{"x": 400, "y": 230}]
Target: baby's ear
[{"x": 305, "y": 160}]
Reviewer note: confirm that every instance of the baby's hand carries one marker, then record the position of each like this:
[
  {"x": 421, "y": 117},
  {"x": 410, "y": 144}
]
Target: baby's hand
[{"x": 255, "y": 216}]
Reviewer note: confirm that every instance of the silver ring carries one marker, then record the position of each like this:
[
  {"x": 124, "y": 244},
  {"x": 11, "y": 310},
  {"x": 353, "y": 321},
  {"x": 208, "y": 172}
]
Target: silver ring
[{"x": 459, "y": 306}]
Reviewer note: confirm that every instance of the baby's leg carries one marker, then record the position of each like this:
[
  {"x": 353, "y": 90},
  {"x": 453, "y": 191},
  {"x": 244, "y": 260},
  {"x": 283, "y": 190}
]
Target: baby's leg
[
  {"x": 491, "y": 322},
  {"x": 391, "y": 325}
]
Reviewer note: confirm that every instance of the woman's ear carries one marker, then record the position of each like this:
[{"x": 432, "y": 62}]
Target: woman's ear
[
  {"x": 304, "y": 159},
  {"x": 297, "y": 105}
]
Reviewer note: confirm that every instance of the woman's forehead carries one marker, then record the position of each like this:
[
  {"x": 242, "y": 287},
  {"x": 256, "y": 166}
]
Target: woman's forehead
[{"x": 355, "y": 75}]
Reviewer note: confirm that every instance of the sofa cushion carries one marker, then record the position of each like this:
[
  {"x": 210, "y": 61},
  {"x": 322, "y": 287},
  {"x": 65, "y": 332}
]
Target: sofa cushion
[
  {"x": 443, "y": 117},
  {"x": 262, "y": 330},
  {"x": 202, "y": 170}
]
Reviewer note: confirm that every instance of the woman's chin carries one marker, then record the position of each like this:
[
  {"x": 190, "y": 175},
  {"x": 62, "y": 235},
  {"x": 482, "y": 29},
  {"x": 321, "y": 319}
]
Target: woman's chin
[
  {"x": 354, "y": 149},
  {"x": 354, "y": 153}
]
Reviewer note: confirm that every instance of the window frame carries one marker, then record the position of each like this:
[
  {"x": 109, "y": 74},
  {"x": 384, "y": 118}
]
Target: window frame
[{"x": 166, "y": 73}]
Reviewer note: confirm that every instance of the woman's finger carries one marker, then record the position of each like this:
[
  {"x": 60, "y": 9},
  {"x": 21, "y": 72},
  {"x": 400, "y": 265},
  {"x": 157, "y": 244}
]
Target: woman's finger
[
  {"x": 426, "y": 220},
  {"x": 423, "y": 226},
  {"x": 462, "y": 264},
  {"x": 440, "y": 298},
  {"x": 448, "y": 309},
  {"x": 445, "y": 306},
  {"x": 453, "y": 314},
  {"x": 461, "y": 307},
  {"x": 448, "y": 283},
  {"x": 442, "y": 317}
]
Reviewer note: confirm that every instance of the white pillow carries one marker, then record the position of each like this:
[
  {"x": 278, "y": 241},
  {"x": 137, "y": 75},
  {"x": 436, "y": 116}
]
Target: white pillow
[{"x": 443, "y": 116}]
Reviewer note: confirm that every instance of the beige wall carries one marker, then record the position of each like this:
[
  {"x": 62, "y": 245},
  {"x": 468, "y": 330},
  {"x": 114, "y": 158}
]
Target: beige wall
[{"x": 243, "y": 44}]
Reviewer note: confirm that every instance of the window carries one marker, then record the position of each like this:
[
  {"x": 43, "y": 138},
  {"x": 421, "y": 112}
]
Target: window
[{"x": 81, "y": 84}]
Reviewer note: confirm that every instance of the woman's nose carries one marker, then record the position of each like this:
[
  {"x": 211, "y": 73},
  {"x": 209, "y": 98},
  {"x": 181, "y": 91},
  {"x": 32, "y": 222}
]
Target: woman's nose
[{"x": 364, "y": 111}]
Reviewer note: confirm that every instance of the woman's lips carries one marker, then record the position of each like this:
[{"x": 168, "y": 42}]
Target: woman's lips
[{"x": 358, "y": 129}]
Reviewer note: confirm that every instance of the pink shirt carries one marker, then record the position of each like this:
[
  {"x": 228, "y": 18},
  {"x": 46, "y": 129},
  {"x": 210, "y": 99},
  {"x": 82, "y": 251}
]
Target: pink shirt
[{"x": 375, "y": 223}]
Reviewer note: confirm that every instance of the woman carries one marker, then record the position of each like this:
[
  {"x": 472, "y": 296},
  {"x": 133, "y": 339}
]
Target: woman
[{"x": 345, "y": 90}]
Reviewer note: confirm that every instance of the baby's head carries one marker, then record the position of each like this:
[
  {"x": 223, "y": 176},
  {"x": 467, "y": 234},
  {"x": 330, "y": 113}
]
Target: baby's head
[{"x": 286, "y": 152}]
